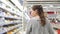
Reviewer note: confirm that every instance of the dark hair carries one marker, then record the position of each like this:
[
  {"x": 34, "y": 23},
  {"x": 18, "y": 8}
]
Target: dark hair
[{"x": 40, "y": 13}]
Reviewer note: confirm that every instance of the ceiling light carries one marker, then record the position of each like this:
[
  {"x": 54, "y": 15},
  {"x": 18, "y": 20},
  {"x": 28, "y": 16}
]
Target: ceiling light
[{"x": 51, "y": 5}]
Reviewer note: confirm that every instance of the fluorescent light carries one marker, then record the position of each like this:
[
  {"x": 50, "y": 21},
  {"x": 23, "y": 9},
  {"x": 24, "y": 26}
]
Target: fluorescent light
[
  {"x": 51, "y": 5},
  {"x": 45, "y": 7}
]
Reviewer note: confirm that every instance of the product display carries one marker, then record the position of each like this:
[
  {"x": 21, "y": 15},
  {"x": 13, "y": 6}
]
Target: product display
[{"x": 10, "y": 19}]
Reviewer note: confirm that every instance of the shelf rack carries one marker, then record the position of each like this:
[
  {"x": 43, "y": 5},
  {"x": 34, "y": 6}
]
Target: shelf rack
[
  {"x": 10, "y": 28},
  {"x": 8, "y": 7}
]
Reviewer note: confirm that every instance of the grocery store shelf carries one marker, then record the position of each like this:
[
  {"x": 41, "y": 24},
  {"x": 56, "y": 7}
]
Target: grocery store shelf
[
  {"x": 10, "y": 17},
  {"x": 2, "y": 24},
  {"x": 10, "y": 28},
  {"x": 8, "y": 3},
  {"x": 10, "y": 10},
  {"x": 56, "y": 26},
  {"x": 16, "y": 2},
  {"x": 19, "y": 29}
]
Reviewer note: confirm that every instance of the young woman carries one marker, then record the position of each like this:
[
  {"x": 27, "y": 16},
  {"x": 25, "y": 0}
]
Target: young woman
[{"x": 39, "y": 24}]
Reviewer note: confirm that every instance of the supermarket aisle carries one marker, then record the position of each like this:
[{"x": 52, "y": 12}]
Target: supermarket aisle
[{"x": 11, "y": 14}]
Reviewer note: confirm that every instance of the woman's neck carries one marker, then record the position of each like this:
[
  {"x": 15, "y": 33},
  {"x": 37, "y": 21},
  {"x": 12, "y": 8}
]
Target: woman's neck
[{"x": 36, "y": 17}]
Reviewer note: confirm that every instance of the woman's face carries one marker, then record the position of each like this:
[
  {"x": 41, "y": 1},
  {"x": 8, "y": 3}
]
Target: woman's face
[{"x": 33, "y": 13}]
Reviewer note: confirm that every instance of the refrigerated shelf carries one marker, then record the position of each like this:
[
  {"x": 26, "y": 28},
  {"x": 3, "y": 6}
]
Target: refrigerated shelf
[
  {"x": 9, "y": 23},
  {"x": 7, "y": 2},
  {"x": 10, "y": 10},
  {"x": 10, "y": 14},
  {"x": 10, "y": 28},
  {"x": 16, "y": 2},
  {"x": 19, "y": 29},
  {"x": 10, "y": 17}
]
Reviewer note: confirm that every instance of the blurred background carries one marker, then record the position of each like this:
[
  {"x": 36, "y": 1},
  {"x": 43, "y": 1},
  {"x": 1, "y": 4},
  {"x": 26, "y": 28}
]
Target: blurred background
[
  {"x": 14, "y": 14},
  {"x": 51, "y": 9}
]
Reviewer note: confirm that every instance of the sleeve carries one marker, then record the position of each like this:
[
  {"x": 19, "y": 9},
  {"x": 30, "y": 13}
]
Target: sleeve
[
  {"x": 51, "y": 30},
  {"x": 29, "y": 27}
]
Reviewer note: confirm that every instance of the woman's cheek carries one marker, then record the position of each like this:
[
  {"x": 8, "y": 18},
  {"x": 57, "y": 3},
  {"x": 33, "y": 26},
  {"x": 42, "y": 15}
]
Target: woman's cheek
[{"x": 32, "y": 14}]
